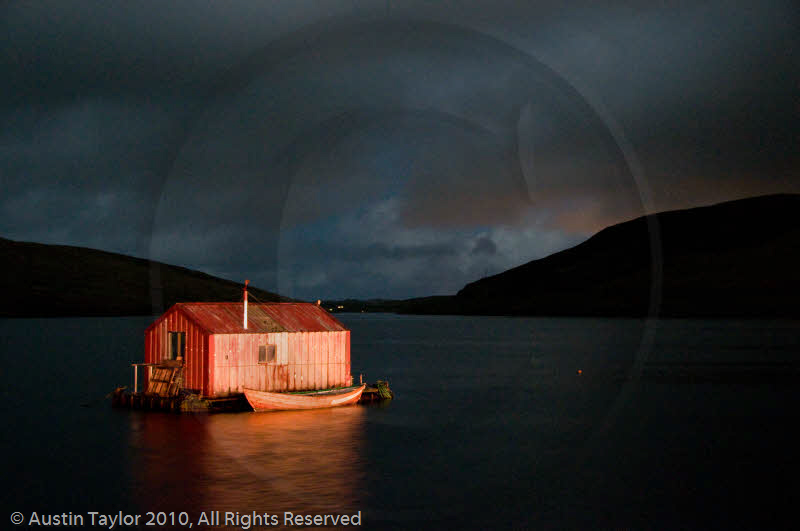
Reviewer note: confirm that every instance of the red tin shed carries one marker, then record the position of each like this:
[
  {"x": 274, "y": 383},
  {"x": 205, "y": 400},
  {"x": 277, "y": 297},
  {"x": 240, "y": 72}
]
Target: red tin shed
[{"x": 285, "y": 347}]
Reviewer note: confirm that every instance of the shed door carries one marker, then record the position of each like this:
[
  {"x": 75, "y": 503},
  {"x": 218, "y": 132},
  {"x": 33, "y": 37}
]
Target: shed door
[{"x": 177, "y": 345}]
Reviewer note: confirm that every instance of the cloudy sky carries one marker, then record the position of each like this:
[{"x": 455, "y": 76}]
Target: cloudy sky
[{"x": 383, "y": 149}]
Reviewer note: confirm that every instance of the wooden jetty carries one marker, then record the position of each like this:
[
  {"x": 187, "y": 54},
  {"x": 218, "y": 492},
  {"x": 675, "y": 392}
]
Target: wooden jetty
[
  {"x": 164, "y": 393},
  {"x": 377, "y": 392},
  {"x": 183, "y": 402}
]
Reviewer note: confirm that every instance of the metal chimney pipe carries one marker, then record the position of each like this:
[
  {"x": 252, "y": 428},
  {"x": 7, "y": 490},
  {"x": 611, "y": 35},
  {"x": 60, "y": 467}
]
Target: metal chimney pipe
[{"x": 246, "y": 282}]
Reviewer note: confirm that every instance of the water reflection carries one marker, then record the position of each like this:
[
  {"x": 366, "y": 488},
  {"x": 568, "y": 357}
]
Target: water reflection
[{"x": 305, "y": 462}]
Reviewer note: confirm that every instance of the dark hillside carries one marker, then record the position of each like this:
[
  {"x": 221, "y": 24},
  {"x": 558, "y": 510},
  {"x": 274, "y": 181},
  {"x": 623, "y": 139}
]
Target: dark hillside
[
  {"x": 57, "y": 280},
  {"x": 739, "y": 258}
]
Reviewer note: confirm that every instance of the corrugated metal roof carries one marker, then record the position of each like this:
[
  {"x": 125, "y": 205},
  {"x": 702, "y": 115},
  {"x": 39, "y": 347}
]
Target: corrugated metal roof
[{"x": 226, "y": 317}]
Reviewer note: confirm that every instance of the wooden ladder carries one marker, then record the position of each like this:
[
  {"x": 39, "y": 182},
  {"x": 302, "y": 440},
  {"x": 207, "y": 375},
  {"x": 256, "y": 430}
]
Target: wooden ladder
[{"x": 165, "y": 381}]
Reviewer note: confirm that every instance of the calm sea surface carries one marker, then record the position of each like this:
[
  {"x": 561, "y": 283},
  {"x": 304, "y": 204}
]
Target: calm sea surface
[{"x": 492, "y": 426}]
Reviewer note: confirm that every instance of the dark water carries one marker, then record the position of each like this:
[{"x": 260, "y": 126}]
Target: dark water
[{"x": 492, "y": 426}]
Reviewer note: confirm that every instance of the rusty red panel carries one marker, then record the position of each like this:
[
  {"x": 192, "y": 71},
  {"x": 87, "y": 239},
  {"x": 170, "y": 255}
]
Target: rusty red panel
[
  {"x": 342, "y": 360},
  {"x": 306, "y": 363},
  {"x": 220, "y": 368},
  {"x": 227, "y": 317},
  {"x": 291, "y": 363},
  {"x": 313, "y": 353},
  {"x": 300, "y": 361},
  {"x": 300, "y": 352},
  {"x": 347, "y": 367},
  {"x": 318, "y": 343},
  {"x": 208, "y": 364},
  {"x": 302, "y": 317}
]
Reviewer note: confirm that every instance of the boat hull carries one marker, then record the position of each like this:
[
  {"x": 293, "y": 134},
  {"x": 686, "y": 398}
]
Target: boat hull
[{"x": 266, "y": 401}]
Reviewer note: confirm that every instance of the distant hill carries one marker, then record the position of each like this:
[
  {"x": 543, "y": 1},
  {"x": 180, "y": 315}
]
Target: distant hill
[
  {"x": 734, "y": 259},
  {"x": 41, "y": 280},
  {"x": 739, "y": 258}
]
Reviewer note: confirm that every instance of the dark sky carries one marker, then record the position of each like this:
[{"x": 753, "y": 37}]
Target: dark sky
[{"x": 381, "y": 149}]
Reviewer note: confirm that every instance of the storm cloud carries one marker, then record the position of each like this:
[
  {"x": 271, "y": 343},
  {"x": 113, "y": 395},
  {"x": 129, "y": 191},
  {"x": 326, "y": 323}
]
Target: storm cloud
[{"x": 332, "y": 149}]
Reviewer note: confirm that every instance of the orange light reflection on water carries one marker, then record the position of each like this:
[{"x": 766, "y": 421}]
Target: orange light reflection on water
[{"x": 305, "y": 462}]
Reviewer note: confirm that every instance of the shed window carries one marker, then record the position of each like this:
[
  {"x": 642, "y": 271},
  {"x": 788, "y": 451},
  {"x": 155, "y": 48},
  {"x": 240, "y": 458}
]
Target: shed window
[
  {"x": 177, "y": 345},
  {"x": 266, "y": 354}
]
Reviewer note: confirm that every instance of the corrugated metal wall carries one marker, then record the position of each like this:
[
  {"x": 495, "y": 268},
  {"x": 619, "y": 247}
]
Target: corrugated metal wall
[
  {"x": 221, "y": 364},
  {"x": 195, "y": 374},
  {"x": 304, "y": 360}
]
